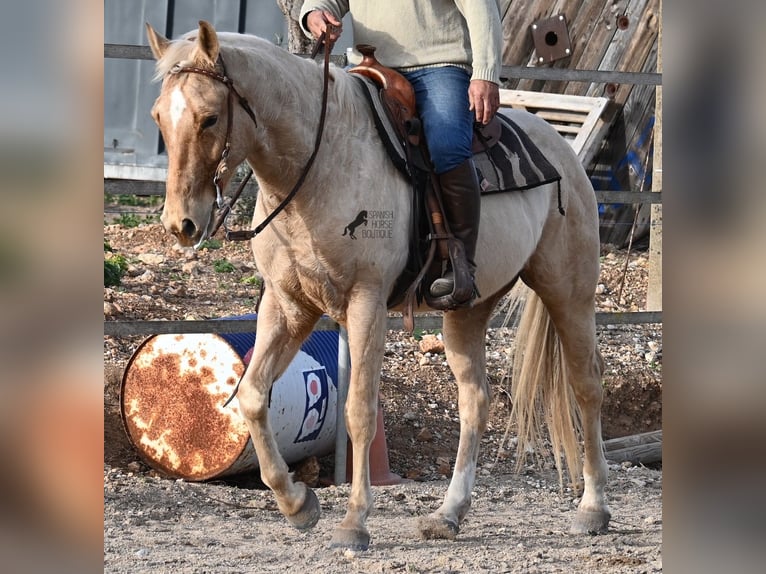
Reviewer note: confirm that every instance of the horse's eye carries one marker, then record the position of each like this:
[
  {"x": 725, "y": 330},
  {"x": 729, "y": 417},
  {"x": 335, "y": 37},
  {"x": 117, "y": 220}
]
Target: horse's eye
[{"x": 209, "y": 122}]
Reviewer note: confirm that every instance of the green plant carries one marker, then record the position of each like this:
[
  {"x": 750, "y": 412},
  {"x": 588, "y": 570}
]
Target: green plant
[
  {"x": 223, "y": 266},
  {"x": 211, "y": 244},
  {"x": 418, "y": 334},
  {"x": 139, "y": 200},
  {"x": 133, "y": 220},
  {"x": 128, "y": 220},
  {"x": 252, "y": 280},
  {"x": 114, "y": 267}
]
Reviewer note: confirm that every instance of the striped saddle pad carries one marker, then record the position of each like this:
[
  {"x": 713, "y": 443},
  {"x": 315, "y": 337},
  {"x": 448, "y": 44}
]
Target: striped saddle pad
[{"x": 505, "y": 157}]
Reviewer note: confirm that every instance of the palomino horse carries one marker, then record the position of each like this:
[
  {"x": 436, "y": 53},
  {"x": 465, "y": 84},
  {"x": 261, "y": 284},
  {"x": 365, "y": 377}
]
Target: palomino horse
[{"x": 311, "y": 267}]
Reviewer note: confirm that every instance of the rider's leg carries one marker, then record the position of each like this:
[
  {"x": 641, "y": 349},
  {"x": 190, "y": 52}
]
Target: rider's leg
[
  {"x": 460, "y": 195},
  {"x": 442, "y": 100}
]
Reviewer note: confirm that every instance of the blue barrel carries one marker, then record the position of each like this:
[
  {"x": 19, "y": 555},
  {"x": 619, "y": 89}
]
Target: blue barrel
[
  {"x": 175, "y": 386},
  {"x": 322, "y": 345}
]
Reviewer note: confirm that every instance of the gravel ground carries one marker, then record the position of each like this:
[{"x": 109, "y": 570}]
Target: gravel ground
[{"x": 518, "y": 523}]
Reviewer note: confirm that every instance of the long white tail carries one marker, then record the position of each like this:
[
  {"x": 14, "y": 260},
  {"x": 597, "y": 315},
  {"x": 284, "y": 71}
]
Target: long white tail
[{"x": 540, "y": 389}]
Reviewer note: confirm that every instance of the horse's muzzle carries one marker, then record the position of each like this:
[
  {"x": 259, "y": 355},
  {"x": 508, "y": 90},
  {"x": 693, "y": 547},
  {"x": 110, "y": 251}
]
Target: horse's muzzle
[{"x": 186, "y": 233}]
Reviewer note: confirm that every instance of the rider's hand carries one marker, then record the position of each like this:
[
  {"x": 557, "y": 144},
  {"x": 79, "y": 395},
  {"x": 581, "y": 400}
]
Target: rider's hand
[
  {"x": 484, "y": 98},
  {"x": 317, "y": 21}
]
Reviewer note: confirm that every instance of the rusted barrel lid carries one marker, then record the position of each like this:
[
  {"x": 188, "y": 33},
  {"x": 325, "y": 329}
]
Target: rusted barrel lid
[{"x": 173, "y": 392}]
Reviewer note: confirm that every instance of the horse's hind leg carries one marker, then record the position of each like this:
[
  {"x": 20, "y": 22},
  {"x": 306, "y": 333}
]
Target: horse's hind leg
[
  {"x": 276, "y": 344},
  {"x": 571, "y": 306},
  {"x": 464, "y": 337},
  {"x": 585, "y": 366}
]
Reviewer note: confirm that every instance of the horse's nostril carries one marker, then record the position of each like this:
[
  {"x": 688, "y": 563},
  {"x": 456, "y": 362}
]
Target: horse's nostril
[{"x": 188, "y": 228}]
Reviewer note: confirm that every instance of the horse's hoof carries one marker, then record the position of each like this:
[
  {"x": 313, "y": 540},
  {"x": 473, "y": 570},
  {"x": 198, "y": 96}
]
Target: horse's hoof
[
  {"x": 434, "y": 527},
  {"x": 591, "y": 522},
  {"x": 349, "y": 539},
  {"x": 309, "y": 512}
]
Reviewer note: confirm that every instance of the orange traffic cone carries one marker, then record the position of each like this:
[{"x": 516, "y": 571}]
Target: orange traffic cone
[{"x": 380, "y": 473}]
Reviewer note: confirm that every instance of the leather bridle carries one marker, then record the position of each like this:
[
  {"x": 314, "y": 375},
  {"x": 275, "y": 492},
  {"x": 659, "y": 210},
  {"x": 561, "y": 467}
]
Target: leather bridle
[{"x": 224, "y": 208}]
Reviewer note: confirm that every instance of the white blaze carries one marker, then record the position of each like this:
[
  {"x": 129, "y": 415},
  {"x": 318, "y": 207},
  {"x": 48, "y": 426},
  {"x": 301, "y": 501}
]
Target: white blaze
[{"x": 177, "y": 106}]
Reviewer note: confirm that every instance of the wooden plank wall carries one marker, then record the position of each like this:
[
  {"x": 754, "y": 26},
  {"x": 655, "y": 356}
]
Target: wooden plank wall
[{"x": 598, "y": 43}]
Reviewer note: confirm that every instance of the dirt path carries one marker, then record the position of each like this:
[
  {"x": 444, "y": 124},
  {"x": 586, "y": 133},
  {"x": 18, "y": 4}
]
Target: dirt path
[{"x": 516, "y": 524}]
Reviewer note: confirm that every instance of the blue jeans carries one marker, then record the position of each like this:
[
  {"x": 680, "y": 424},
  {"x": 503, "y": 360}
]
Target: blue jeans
[{"x": 441, "y": 97}]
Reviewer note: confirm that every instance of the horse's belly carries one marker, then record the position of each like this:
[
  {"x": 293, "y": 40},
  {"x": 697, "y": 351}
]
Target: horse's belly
[{"x": 510, "y": 229}]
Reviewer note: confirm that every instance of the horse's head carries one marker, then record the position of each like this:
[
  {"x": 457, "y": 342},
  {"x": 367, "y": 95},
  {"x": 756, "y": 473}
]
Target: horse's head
[{"x": 198, "y": 121}]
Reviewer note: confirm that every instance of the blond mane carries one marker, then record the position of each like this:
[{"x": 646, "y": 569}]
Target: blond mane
[{"x": 178, "y": 52}]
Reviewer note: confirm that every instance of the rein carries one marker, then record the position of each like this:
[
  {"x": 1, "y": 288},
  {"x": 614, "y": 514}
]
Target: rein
[
  {"x": 224, "y": 208},
  {"x": 250, "y": 233}
]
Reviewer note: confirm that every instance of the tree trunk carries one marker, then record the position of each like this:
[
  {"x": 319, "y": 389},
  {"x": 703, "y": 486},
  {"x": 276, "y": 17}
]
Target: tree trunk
[{"x": 297, "y": 43}]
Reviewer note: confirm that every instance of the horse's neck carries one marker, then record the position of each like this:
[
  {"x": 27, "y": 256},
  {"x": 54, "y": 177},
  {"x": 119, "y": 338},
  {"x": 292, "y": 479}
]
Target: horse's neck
[{"x": 285, "y": 92}]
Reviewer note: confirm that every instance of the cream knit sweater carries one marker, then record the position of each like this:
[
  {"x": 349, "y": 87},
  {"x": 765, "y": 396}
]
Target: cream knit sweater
[{"x": 412, "y": 34}]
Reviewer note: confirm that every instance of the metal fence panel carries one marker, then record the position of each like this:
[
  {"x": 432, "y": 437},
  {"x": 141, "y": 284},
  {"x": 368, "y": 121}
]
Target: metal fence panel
[
  {"x": 130, "y": 136},
  {"x": 129, "y": 132}
]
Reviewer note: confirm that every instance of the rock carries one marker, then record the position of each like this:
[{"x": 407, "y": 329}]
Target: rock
[
  {"x": 424, "y": 435},
  {"x": 111, "y": 309},
  {"x": 146, "y": 277},
  {"x": 151, "y": 258},
  {"x": 176, "y": 290},
  {"x": 186, "y": 252},
  {"x": 652, "y": 520},
  {"x": 191, "y": 267},
  {"x": 431, "y": 344},
  {"x": 307, "y": 471},
  {"x": 133, "y": 270}
]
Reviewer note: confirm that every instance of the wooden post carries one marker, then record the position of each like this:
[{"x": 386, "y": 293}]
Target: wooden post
[{"x": 654, "y": 290}]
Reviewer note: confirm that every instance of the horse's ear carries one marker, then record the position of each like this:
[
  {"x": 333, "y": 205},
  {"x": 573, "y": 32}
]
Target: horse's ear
[
  {"x": 207, "y": 43},
  {"x": 157, "y": 42}
]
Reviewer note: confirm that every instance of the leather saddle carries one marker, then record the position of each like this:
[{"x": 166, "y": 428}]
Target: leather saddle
[{"x": 430, "y": 244}]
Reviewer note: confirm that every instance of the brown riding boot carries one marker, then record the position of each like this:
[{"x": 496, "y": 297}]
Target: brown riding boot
[{"x": 461, "y": 198}]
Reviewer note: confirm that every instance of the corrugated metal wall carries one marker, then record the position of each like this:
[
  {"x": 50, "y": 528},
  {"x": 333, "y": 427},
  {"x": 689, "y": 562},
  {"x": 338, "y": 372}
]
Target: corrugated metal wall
[{"x": 130, "y": 136}]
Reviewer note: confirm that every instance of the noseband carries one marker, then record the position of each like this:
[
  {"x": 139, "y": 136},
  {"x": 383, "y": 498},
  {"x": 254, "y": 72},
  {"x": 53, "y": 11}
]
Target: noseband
[{"x": 223, "y": 207}]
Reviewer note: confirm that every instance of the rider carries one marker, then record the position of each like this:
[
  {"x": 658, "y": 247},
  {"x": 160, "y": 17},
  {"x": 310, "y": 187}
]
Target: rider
[{"x": 451, "y": 53}]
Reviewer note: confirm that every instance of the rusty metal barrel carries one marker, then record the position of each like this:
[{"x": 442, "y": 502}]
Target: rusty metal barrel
[{"x": 174, "y": 388}]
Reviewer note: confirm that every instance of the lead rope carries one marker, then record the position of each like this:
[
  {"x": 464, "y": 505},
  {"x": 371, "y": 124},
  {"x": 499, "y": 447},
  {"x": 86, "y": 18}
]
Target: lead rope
[{"x": 249, "y": 234}]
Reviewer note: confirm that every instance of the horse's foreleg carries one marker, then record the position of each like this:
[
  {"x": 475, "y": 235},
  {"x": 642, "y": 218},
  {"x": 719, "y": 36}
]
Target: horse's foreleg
[
  {"x": 367, "y": 331},
  {"x": 464, "y": 338},
  {"x": 275, "y": 347}
]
